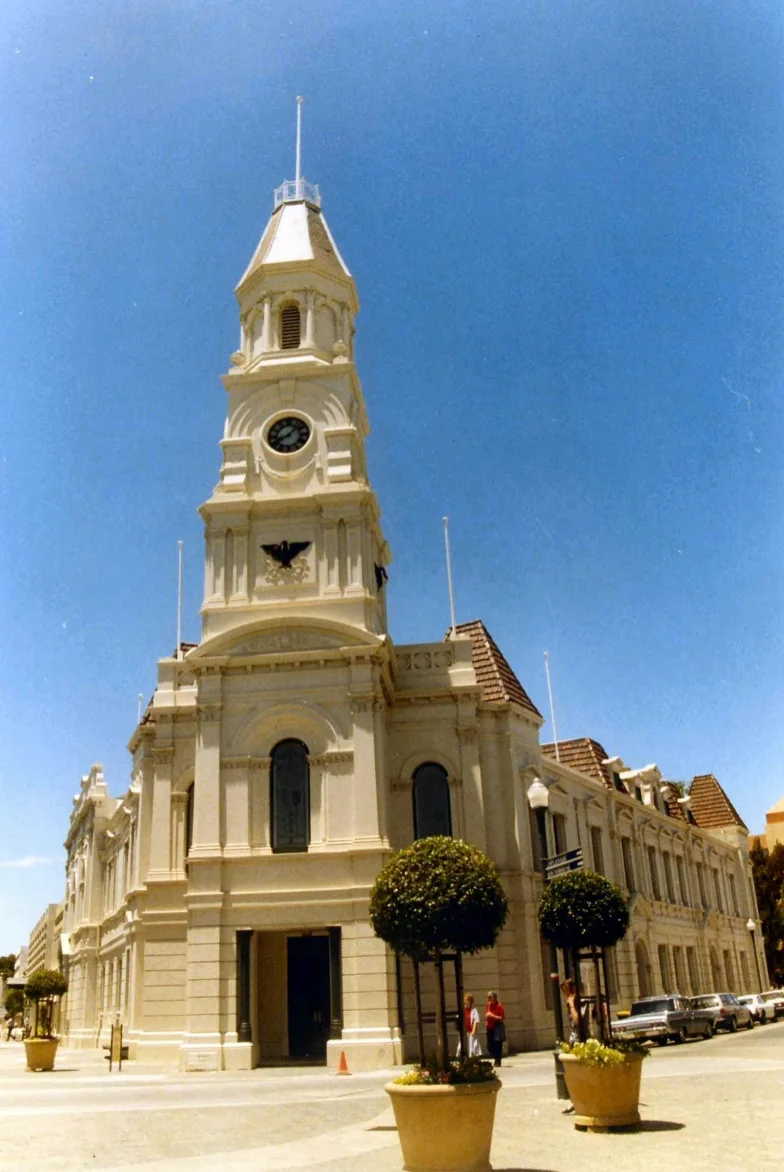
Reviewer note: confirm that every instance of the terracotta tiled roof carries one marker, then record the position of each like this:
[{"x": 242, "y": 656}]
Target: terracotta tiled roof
[
  {"x": 495, "y": 677},
  {"x": 710, "y": 805},
  {"x": 674, "y": 807},
  {"x": 584, "y": 755}
]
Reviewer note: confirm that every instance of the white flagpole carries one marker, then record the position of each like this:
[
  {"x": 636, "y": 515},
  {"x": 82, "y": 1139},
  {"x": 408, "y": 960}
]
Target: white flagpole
[
  {"x": 552, "y": 705},
  {"x": 298, "y": 175},
  {"x": 178, "y": 653},
  {"x": 449, "y": 576}
]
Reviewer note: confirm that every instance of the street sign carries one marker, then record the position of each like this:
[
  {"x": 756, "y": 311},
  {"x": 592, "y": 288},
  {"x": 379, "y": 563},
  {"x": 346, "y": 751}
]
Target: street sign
[{"x": 560, "y": 864}]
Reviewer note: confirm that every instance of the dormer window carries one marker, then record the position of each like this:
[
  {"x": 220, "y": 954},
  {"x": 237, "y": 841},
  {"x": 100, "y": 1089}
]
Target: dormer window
[{"x": 290, "y": 327}]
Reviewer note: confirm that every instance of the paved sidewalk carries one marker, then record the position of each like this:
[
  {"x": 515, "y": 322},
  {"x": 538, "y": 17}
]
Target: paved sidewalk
[{"x": 706, "y": 1106}]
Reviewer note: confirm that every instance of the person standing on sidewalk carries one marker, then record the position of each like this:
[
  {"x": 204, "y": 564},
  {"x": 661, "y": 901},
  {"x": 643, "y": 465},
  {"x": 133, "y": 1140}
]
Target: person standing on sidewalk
[{"x": 496, "y": 1029}]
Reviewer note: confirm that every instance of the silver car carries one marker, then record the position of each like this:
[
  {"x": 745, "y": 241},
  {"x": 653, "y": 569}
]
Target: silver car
[
  {"x": 774, "y": 1001},
  {"x": 723, "y": 1011},
  {"x": 762, "y": 1011}
]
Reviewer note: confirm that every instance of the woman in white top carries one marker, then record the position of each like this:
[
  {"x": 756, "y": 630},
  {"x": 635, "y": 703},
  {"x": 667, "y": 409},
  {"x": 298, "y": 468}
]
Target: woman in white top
[{"x": 471, "y": 1028}]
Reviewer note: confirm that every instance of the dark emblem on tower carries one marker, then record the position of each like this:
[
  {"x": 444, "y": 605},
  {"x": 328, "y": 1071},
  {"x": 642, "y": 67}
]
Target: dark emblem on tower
[{"x": 285, "y": 551}]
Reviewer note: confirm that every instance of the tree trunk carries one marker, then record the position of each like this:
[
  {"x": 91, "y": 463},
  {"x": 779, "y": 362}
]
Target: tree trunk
[
  {"x": 443, "y": 1045},
  {"x": 420, "y": 1030},
  {"x": 461, "y": 1017}
]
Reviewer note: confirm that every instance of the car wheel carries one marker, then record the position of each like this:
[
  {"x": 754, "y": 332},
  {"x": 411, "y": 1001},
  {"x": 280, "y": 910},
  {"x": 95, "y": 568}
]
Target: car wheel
[
  {"x": 712, "y": 1027},
  {"x": 661, "y": 1041},
  {"x": 750, "y": 1025},
  {"x": 733, "y": 1025},
  {"x": 763, "y": 1018},
  {"x": 681, "y": 1035}
]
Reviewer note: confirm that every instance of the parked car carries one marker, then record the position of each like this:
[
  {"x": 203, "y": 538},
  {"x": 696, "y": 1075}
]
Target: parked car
[
  {"x": 658, "y": 1019},
  {"x": 723, "y": 1011},
  {"x": 774, "y": 998},
  {"x": 760, "y": 1010}
]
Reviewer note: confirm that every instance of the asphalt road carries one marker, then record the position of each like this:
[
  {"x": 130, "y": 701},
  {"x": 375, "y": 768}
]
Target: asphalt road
[{"x": 706, "y": 1105}]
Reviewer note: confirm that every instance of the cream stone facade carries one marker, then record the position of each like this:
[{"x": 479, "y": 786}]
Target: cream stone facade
[{"x": 219, "y": 910}]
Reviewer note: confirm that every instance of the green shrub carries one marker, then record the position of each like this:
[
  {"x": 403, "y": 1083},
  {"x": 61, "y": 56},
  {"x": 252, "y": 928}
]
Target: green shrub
[
  {"x": 582, "y": 909},
  {"x": 43, "y": 988},
  {"x": 438, "y": 895},
  {"x": 594, "y": 1053},
  {"x": 45, "y": 983},
  {"x": 470, "y": 1070}
]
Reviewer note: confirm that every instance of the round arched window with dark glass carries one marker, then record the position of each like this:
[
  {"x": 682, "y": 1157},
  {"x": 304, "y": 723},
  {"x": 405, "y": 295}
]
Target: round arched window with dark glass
[
  {"x": 290, "y": 796},
  {"x": 432, "y": 812}
]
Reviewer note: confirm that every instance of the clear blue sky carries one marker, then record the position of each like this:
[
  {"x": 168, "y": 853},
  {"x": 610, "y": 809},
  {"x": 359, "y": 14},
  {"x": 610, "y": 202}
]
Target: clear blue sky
[{"x": 566, "y": 226}]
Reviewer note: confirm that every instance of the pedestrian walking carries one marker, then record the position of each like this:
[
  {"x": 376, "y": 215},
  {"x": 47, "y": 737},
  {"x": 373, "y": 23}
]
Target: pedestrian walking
[
  {"x": 569, "y": 990},
  {"x": 471, "y": 1028},
  {"x": 495, "y": 1026}
]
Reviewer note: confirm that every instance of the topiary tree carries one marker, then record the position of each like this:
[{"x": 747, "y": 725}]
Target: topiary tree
[
  {"x": 13, "y": 1002},
  {"x": 583, "y": 910},
  {"x": 44, "y": 988},
  {"x": 438, "y": 895}
]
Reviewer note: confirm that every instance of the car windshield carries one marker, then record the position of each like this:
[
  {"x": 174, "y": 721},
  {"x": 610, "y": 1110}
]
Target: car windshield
[
  {"x": 703, "y": 1002},
  {"x": 661, "y": 1005}
]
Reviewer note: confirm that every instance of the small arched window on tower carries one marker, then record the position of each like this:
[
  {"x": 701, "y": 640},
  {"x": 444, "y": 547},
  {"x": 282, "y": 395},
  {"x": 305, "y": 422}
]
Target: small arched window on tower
[
  {"x": 290, "y": 796},
  {"x": 289, "y": 327},
  {"x": 432, "y": 812}
]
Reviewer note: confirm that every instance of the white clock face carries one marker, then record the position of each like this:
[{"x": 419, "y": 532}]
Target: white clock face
[{"x": 288, "y": 435}]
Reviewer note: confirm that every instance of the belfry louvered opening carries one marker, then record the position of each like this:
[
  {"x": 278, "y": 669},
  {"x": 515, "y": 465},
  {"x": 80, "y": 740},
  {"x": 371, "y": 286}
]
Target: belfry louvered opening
[{"x": 289, "y": 327}]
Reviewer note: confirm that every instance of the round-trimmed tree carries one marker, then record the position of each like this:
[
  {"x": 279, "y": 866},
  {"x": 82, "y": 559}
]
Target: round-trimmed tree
[
  {"x": 436, "y": 896},
  {"x": 44, "y": 988},
  {"x": 583, "y": 910}
]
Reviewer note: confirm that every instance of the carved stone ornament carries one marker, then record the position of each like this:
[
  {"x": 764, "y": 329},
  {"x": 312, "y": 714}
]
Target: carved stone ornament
[
  {"x": 469, "y": 734},
  {"x": 299, "y": 639},
  {"x": 163, "y": 755},
  {"x": 208, "y": 712},
  {"x": 366, "y": 703},
  {"x": 334, "y": 758},
  {"x": 245, "y": 762},
  {"x": 296, "y": 570}
]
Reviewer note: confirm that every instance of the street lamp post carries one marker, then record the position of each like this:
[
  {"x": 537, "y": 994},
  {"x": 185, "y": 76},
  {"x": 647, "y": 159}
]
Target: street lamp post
[
  {"x": 539, "y": 799},
  {"x": 752, "y": 928}
]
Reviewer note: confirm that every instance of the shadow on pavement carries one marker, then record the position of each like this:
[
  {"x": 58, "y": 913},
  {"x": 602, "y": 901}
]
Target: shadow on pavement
[{"x": 657, "y": 1125}]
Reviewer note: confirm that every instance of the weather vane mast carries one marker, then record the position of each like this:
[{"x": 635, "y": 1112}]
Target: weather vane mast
[
  {"x": 298, "y": 175},
  {"x": 297, "y": 189}
]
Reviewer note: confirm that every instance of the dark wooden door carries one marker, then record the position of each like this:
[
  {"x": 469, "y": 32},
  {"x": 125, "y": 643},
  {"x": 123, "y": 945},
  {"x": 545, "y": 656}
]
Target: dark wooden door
[{"x": 309, "y": 1007}]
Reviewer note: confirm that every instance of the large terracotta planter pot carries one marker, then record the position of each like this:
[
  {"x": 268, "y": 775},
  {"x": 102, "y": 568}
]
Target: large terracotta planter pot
[
  {"x": 445, "y": 1128},
  {"x": 41, "y": 1052},
  {"x": 604, "y": 1096}
]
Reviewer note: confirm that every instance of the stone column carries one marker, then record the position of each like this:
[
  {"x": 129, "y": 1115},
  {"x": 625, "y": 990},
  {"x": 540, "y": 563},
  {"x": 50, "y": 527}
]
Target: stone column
[
  {"x": 310, "y": 310},
  {"x": 266, "y": 328},
  {"x": 206, "y": 794},
  {"x": 473, "y": 802},
  {"x": 236, "y": 772},
  {"x": 259, "y": 800},
  {"x": 239, "y": 585},
  {"x": 366, "y": 810},
  {"x": 160, "y": 828}
]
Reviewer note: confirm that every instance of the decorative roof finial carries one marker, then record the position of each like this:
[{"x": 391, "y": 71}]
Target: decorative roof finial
[{"x": 299, "y": 189}]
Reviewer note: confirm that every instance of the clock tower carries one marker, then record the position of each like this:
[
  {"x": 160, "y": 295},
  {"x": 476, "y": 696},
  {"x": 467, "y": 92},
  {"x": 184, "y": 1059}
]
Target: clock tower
[{"x": 293, "y": 527}]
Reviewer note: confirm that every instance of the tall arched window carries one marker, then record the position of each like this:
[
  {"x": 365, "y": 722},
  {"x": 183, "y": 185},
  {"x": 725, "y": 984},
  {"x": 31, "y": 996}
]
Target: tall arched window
[
  {"x": 289, "y": 327},
  {"x": 432, "y": 813},
  {"x": 290, "y": 796},
  {"x": 188, "y": 826}
]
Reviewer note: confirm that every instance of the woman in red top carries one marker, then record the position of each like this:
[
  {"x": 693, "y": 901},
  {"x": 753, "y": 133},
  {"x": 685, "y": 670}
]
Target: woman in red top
[{"x": 496, "y": 1030}]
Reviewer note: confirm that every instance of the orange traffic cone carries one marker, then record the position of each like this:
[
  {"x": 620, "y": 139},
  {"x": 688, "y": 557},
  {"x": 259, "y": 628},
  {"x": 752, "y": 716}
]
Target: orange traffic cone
[{"x": 343, "y": 1065}]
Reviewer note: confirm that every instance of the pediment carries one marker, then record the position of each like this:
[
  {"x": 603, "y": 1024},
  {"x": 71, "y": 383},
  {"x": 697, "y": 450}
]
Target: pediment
[
  {"x": 292, "y": 639},
  {"x": 280, "y": 640}
]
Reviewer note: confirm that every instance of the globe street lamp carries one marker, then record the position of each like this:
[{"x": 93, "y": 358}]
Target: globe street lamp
[
  {"x": 538, "y": 797},
  {"x": 752, "y": 928}
]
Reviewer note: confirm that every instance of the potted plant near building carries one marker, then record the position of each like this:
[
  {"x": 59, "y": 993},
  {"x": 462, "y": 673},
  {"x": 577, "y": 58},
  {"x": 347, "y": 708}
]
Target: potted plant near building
[
  {"x": 584, "y": 912},
  {"x": 44, "y": 989},
  {"x": 436, "y": 899}
]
